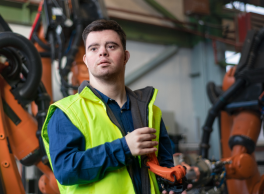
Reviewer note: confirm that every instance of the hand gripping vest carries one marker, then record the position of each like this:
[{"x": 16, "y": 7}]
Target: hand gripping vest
[{"x": 91, "y": 116}]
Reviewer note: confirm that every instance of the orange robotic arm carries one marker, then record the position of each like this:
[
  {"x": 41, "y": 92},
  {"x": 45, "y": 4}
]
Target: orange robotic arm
[
  {"x": 18, "y": 128},
  {"x": 171, "y": 179}
]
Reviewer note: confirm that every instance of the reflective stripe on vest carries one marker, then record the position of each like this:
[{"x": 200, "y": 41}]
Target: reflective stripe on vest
[{"x": 90, "y": 117}]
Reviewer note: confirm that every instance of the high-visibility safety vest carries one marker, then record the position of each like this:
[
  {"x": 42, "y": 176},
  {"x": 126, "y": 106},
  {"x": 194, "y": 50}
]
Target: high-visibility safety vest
[{"x": 92, "y": 116}]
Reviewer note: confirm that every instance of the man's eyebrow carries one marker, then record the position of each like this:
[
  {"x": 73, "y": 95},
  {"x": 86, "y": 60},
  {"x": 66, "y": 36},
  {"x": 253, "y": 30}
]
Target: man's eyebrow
[
  {"x": 111, "y": 42},
  {"x": 95, "y": 44}
]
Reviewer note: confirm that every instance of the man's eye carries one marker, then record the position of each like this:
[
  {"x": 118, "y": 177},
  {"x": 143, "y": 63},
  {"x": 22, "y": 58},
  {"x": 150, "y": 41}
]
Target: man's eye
[
  {"x": 111, "y": 46},
  {"x": 93, "y": 49}
]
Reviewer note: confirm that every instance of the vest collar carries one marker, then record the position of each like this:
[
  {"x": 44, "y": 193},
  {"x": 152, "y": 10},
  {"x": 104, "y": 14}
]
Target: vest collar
[{"x": 143, "y": 95}]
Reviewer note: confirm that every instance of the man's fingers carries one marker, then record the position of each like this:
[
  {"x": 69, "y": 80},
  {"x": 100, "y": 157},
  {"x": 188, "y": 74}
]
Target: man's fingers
[
  {"x": 148, "y": 144},
  {"x": 164, "y": 192},
  {"x": 139, "y": 141},
  {"x": 146, "y": 130},
  {"x": 147, "y": 151},
  {"x": 146, "y": 137}
]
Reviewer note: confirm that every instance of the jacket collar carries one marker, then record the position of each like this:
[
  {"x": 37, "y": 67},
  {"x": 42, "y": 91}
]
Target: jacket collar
[{"x": 143, "y": 95}]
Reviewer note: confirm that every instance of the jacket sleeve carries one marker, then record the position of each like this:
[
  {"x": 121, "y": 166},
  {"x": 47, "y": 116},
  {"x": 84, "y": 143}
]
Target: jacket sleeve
[
  {"x": 165, "y": 155},
  {"x": 71, "y": 163}
]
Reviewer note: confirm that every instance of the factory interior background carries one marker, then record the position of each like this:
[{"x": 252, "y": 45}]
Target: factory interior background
[{"x": 176, "y": 46}]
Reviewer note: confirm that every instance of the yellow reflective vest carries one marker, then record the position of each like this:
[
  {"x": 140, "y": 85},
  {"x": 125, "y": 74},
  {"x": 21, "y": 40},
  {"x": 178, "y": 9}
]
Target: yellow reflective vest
[{"x": 91, "y": 116}]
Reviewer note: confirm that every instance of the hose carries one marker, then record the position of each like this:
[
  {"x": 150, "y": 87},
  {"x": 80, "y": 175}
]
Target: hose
[
  {"x": 213, "y": 92},
  {"x": 52, "y": 46},
  {"x": 70, "y": 58},
  {"x": 74, "y": 48},
  {"x": 41, "y": 44},
  {"x": 45, "y": 54},
  {"x": 213, "y": 112},
  {"x": 42, "y": 101},
  {"x": 252, "y": 54},
  {"x": 63, "y": 89},
  {"x": 257, "y": 41}
]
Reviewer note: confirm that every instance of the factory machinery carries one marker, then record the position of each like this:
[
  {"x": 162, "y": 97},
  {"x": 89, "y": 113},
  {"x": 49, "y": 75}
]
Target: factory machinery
[
  {"x": 25, "y": 78},
  {"x": 239, "y": 104}
]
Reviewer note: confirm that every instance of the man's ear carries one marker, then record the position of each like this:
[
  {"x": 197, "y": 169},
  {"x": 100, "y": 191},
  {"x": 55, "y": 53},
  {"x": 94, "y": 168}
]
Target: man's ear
[
  {"x": 84, "y": 59},
  {"x": 127, "y": 56}
]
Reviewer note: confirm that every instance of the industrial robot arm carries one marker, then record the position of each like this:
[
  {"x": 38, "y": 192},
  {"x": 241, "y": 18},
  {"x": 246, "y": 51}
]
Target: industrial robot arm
[
  {"x": 171, "y": 179},
  {"x": 240, "y": 104},
  {"x": 19, "y": 85}
]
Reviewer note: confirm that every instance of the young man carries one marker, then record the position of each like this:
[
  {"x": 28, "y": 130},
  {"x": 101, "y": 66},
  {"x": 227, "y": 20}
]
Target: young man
[{"x": 97, "y": 140}]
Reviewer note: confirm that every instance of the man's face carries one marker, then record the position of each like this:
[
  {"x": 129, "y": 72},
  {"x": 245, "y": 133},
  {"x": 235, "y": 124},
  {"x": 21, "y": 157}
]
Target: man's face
[{"x": 105, "y": 57}]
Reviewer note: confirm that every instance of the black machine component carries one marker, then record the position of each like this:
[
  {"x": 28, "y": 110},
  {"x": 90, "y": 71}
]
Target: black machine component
[
  {"x": 247, "y": 47},
  {"x": 4, "y": 26},
  {"x": 24, "y": 92},
  {"x": 54, "y": 14},
  {"x": 246, "y": 100},
  {"x": 244, "y": 93},
  {"x": 244, "y": 141},
  {"x": 212, "y": 173},
  {"x": 10, "y": 113},
  {"x": 251, "y": 55},
  {"x": 42, "y": 101},
  {"x": 89, "y": 10},
  {"x": 12, "y": 71},
  {"x": 31, "y": 159},
  {"x": 173, "y": 186}
]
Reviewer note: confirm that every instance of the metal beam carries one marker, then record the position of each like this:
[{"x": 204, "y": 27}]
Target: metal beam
[
  {"x": 160, "y": 9},
  {"x": 165, "y": 55},
  {"x": 163, "y": 11},
  {"x": 144, "y": 32}
]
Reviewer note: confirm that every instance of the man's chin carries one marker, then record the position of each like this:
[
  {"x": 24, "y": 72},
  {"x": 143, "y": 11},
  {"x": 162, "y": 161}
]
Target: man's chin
[{"x": 106, "y": 76}]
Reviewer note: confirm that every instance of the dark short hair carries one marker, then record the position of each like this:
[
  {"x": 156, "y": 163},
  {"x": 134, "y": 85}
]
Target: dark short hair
[{"x": 100, "y": 25}]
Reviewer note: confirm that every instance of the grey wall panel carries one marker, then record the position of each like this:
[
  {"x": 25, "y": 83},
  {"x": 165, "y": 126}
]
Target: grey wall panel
[{"x": 204, "y": 70}]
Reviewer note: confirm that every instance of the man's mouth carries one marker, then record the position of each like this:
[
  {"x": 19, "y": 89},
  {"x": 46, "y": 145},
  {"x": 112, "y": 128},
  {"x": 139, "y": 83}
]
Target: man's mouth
[{"x": 104, "y": 62}]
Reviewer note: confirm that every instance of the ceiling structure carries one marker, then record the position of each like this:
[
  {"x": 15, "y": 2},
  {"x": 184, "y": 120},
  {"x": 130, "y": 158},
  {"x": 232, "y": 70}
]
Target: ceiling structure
[{"x": 181, "y": 22}]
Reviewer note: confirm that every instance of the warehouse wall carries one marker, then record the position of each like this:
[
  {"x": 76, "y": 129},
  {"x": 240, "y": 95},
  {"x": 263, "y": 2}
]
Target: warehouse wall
[
  {"x": 181, "y": 81},
  {"x": 204, "y": 70},
  {"x": 172, "y": 80}
]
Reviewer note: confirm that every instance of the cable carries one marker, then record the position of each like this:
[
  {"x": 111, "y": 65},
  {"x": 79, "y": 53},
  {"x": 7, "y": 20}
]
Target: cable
[
  {"x": 70, "y": 42},
  {"x": 58, "y": 6},
  {"x": 214, "y": 111},
  {"x": 36, "y": 19},
  {"x": 41, "y": 44}
]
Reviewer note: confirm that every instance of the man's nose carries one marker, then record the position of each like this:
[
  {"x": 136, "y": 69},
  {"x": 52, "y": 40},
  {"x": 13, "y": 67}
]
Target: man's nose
[{"x": 103, "y": 52}]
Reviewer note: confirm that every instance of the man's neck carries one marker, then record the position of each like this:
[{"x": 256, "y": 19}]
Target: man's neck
[{"x": 113, "y": 89}]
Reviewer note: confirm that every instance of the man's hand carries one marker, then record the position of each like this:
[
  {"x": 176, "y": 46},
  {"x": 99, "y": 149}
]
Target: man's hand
[{"x": 140, "y": 141}]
